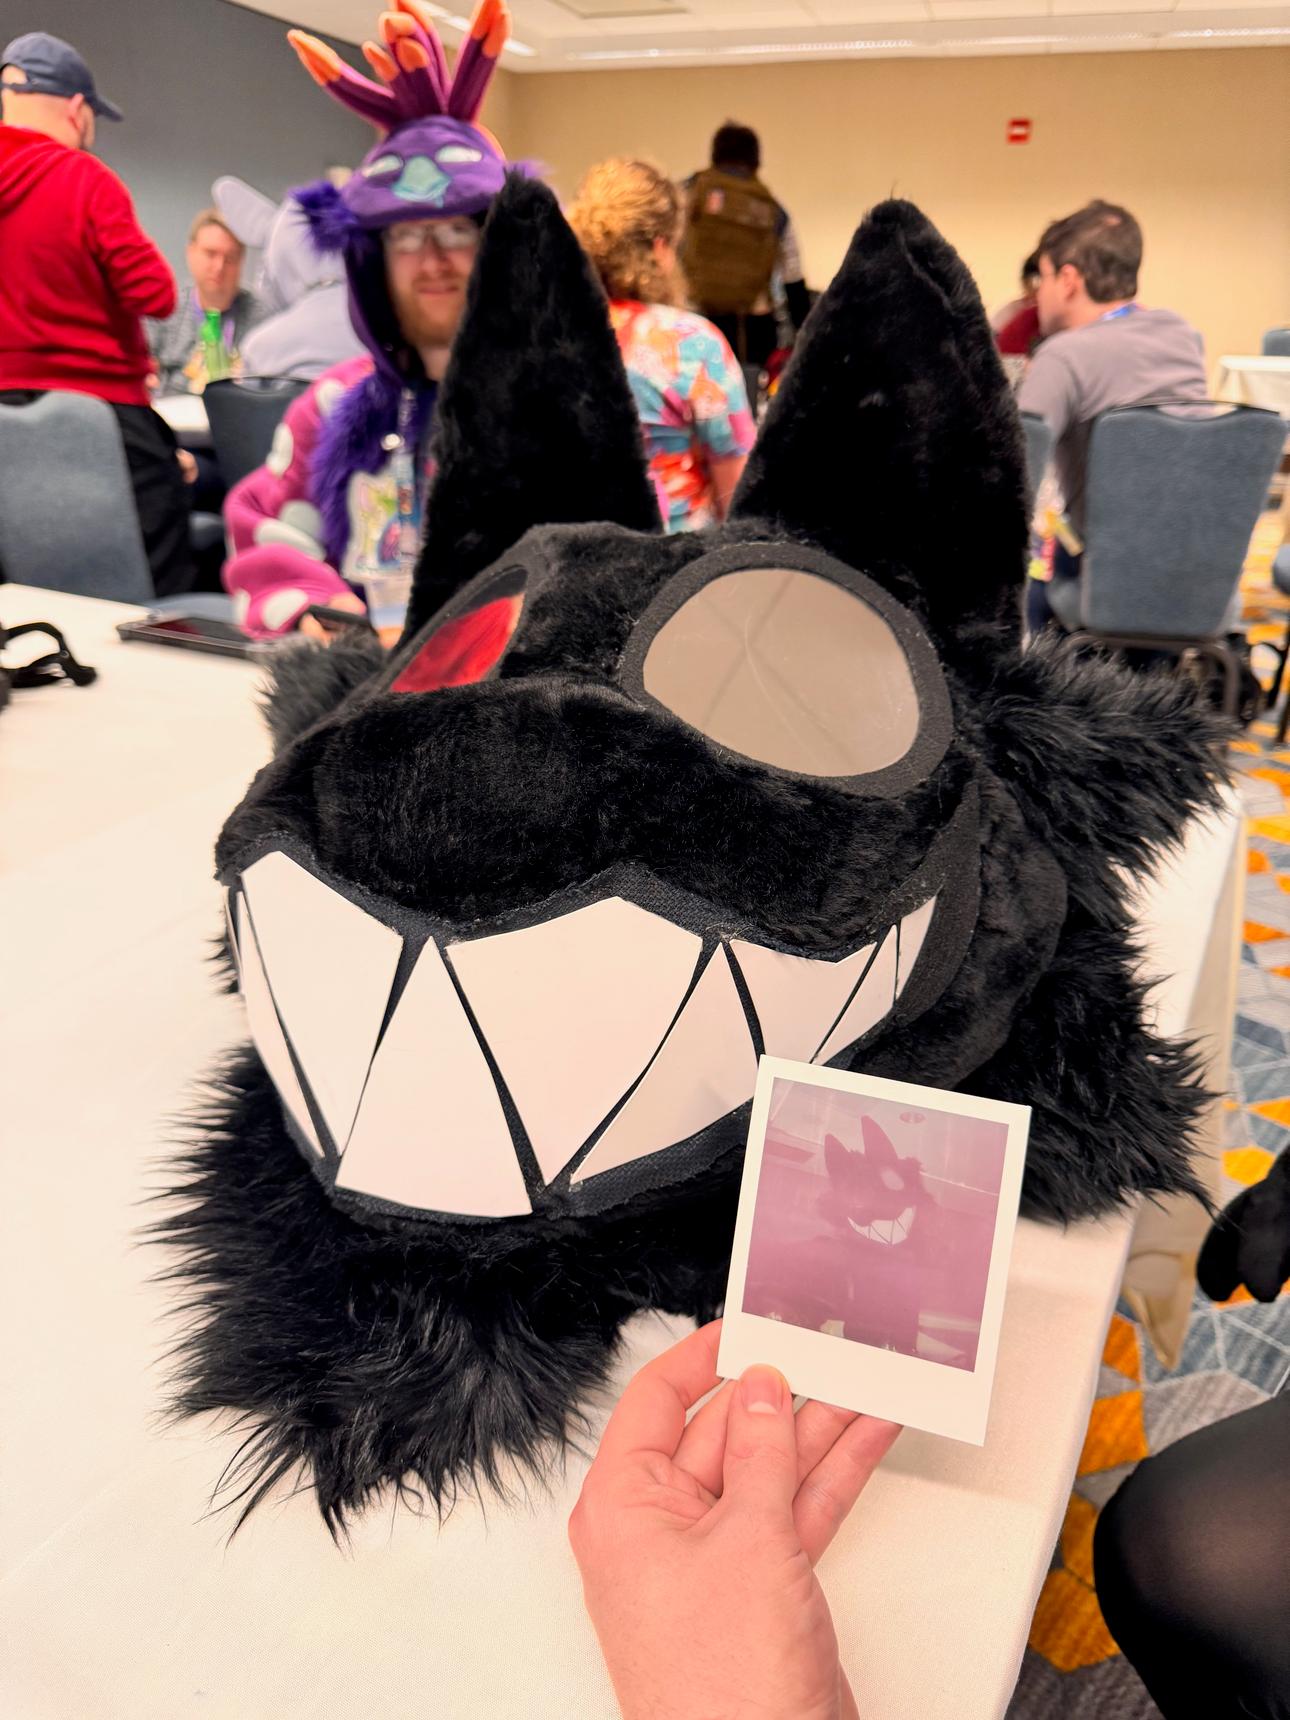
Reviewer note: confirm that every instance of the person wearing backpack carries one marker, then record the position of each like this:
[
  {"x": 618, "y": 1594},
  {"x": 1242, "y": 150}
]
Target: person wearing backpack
[{"x": 738, "y": 246}]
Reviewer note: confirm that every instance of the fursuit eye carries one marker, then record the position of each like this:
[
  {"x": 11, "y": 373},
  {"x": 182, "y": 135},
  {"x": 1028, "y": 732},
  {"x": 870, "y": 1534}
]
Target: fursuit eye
[
  {"x": 457, "y": 152},
  {"x": 382, "y": 164},
  {"x": 790, "y": 669}
]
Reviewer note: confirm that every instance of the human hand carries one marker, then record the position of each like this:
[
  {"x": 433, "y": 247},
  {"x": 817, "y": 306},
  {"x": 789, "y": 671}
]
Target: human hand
[
  {"x": 1250, "y": 1240},
  {"x": 697, "y": 1544},
  {"x": 312, "y": 628},
  {"x": 187, "y": 465}
]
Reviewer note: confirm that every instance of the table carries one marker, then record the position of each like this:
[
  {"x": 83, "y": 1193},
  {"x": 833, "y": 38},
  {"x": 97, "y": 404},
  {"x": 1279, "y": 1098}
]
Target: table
[
  {"x": 1255, "y": 381},
  {"x": 122, "y": 1599},
  {"x": 186, "y": 416}
]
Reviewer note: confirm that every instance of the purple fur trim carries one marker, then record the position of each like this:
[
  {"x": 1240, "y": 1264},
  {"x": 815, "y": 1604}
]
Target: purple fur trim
[
  {"x": 331, "y": 225},
  {"x": 350, "y": 441}
]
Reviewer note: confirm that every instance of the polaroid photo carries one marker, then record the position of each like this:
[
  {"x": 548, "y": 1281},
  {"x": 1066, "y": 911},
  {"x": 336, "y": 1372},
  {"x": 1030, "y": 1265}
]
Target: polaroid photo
[{"x": 872, "y": 1244}]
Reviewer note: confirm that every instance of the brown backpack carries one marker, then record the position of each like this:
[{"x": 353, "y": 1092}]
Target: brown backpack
[{"x": 731, "y": 241}]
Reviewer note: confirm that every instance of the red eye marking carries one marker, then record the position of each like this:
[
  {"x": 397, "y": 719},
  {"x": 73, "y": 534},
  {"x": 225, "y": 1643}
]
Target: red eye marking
[{"x": 464, "y": 650}]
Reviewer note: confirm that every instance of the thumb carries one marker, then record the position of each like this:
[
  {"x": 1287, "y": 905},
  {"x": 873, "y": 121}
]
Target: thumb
[{"x": 759, "y": 1470}]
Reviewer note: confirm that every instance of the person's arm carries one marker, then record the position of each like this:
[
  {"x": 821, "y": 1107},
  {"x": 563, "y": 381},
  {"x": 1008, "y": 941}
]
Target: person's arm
[
  {"x": 1048, "y": 389},
  {"x": 278, "y": 562},
  {"x": 138, "y": 274},
  {"x": 697, "y": 1540},
  {"x": 723, "y": 423},
  {"x": 796, "y": 294}
]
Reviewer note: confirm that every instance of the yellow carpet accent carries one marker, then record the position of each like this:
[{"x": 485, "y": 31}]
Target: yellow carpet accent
[
  {"x": 1077, "y": 1538},
  {"x": 1068, "y": 1628},
  {"x": 1121, "y": 1349},
  {"x": 1278, "y": 828},
  {"x": 1276, "y": 777},
  {"x": 1245, "y": 746},
  {"x": 1254, "y": 933},
  {"x": 1280, "y": 972},
  {"x": 1115, "y": 1434},
  {"x": 1257, "y": 861},
  {"x": 1250, "y": 1165}
]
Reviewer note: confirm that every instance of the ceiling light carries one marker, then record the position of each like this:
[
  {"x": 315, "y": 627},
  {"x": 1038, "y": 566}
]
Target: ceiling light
[{"x": 880, "y": 44}]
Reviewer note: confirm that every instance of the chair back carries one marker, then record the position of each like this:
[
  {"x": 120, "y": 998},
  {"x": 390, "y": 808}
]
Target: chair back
[
  {"x": 1171, "y": 500},
  {"x": 1039, "y": 445},
  {"x": 244, "y": 412},
  {"x": 68, "y": 520},
  {"x": 1276, "y": 343}
]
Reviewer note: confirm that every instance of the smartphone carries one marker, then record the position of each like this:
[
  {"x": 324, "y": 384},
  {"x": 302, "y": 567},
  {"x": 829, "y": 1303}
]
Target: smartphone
[
  {"x": 337, "y": 620},
  {"x": 194, "y": 632}
]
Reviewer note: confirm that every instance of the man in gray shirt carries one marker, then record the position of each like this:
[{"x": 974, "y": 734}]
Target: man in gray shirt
[
  {"x": 1101, "y": 349},
  {"x": 214, "y": 256}
]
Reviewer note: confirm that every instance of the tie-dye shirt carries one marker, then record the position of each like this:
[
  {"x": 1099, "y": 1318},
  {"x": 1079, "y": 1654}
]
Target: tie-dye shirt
[{"x": 689, "y": 392}]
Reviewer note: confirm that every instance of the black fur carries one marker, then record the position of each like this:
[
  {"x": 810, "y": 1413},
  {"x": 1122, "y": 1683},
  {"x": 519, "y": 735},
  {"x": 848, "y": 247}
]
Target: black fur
[
  {"x": 538, "y": 415},
  {"x": 365, "y": 1357},
  {"x": 409, "y": 1348}
]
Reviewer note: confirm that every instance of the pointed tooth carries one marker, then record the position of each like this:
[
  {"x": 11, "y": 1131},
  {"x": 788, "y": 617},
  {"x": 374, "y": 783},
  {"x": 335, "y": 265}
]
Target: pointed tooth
[
  {"x": 573, "y": 1010},
  {"x": 266, "y": 1030},
  {"x": 330, "y": 967},
  {"x": 430, "y": 1130},
  {"x": 797, "y": 998},
  {"x": 913, "y": 930},
  {"x": 705, "y": 1068},
  {"x": 868, "y": 1006}
]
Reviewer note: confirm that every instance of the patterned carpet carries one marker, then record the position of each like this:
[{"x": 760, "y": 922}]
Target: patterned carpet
[{"x": 1236, "y": 1353}]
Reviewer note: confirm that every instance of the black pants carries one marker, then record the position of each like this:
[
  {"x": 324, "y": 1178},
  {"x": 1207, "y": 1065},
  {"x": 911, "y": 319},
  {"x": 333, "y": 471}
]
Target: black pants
[
  {"x": 160, "y": 494},
  {"x": 752, "y": 338},
  {"x": 1192, "y": 1562}
]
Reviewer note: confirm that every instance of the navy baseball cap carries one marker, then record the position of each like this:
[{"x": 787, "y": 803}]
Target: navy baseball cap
[{"x": 54, "y": 68}]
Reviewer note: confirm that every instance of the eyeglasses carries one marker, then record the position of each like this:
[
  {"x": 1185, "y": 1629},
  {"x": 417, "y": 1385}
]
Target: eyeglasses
[{"x": 408, "y": 238}]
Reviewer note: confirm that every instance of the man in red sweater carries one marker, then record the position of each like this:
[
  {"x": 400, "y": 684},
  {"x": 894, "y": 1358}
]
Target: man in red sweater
[{"x": 78, "y": 275}]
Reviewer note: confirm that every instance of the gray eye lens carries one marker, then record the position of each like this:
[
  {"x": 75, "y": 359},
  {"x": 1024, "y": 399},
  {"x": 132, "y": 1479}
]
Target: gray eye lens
[{"x": 789, "y": 669}]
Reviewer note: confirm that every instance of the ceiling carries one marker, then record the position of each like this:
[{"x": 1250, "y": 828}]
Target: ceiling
[{"x": 583, "y": 35}]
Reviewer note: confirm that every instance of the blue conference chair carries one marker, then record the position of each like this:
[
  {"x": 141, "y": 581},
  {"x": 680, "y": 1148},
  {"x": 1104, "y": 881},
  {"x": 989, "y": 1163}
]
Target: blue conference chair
[
  {"x": 1171, "y": 500},
  {"x": 67, "y": 513}
]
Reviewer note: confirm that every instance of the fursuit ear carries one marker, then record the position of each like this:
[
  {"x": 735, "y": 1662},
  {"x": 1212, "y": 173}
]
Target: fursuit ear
[
  {"x": 839, "y": 1160},
  {"x": 535, "y": 424},
  {"x": 893, "y": 441},
  {"x": 877, "y": 1144}
]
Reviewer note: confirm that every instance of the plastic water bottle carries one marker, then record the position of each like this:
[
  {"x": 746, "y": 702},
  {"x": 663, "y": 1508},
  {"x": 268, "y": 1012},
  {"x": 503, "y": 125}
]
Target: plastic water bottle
[{"x": 214, "y": 357}]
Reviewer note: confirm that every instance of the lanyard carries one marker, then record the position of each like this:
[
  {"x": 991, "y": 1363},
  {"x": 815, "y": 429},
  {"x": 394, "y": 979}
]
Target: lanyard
[
  {"x": 405, "y": 483},
  {"x": 1119, "y": 311}
]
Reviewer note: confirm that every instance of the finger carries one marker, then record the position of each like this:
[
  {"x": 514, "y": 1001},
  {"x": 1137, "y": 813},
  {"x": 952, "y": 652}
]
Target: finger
[
  {"x": 703, "y": 1444},
  {"x": 830, "y": 1490},
  {"x": 819, "y": 1425},
  {"x": 759, "y": 1470},
  {"x": 651, "y": 1413}
]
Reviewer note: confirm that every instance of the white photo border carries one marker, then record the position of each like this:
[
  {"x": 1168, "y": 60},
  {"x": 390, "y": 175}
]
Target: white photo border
[{"x": 905, "y": 1389}]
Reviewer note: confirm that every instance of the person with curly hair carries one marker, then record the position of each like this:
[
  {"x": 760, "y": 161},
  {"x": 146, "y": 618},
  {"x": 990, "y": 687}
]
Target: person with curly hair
[{"x": 686, "y": 382}]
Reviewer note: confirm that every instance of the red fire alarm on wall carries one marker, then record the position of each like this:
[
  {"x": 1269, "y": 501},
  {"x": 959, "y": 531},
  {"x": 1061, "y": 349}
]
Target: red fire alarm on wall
[{"x": 1018, "y": 131}]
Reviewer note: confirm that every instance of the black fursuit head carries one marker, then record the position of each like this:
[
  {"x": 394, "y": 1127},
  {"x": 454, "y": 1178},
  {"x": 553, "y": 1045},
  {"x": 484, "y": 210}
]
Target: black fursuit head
[{"x": 517, "y": 906}]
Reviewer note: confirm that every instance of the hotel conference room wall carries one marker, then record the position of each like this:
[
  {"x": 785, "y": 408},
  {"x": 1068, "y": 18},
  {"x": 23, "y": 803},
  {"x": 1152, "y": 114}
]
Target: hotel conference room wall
[{"x": 1194, "y": 142}]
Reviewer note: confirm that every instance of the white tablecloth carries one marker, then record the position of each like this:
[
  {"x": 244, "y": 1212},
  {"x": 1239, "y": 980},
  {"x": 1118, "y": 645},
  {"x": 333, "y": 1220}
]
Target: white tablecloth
[
  {"x": 1255, "y": 381},
  {"x": 122, "y": 1598},
  {"x": 186, "y": 416}
]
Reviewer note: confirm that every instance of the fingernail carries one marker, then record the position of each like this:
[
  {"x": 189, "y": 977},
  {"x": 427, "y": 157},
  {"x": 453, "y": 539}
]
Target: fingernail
[{"x": 761, "y": 1390}]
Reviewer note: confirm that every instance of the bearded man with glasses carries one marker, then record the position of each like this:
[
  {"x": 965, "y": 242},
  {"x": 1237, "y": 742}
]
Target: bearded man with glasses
[{"x": 333, "y": 519}]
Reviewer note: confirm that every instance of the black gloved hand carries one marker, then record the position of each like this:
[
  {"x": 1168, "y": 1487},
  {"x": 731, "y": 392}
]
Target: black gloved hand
[{"x": 1249, "y": 1242}]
